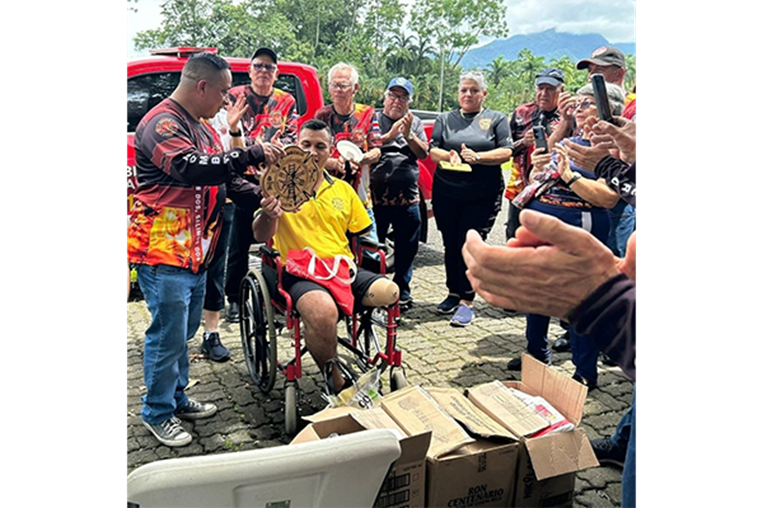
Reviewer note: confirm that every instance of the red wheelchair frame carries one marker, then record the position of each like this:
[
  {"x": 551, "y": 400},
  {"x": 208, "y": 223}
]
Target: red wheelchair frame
[{"x": 259, "y": 330}]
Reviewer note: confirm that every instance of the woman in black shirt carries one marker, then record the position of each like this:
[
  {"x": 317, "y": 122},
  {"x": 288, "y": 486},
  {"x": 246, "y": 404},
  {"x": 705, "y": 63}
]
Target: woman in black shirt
[{"x": 469, "y": 198}]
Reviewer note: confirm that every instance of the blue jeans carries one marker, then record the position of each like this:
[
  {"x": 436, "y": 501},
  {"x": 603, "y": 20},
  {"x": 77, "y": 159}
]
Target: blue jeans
[
  {"x": 629, "y": 469},
  {"x": 622, "y": 223},
  {"x": 406, "y": 224},
  {"x": 584, "y": 350},
  {"x": 174, "y": 297},
  {"x": 585, "y": 353},
  {"x": 373, "y": 235}
]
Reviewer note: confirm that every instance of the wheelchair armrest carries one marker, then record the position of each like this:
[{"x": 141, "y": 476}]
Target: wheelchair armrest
[
  {"x": 368, "y": 243},
  {"x": 270, "y": 252}
]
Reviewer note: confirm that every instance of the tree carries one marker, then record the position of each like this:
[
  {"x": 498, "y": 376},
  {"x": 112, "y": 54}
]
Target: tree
[
  {"x": 454, "y": 26},
  {"x": 234, "y": 28},
  {"x": 498, "y": 69}
]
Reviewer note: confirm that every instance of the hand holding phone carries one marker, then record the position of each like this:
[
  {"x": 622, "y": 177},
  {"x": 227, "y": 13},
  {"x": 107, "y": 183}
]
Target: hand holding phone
[
  {"x": 540, "y": 138},
  {"x": 602, "y": 101}
]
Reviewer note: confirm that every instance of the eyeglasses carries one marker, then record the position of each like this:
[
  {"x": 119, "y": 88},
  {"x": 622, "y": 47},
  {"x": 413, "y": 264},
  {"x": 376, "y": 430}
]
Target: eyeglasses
[
  {"x": 340, "y": 86},
  {"x": 266, "y": 67},
  {"x": 399, "y": 98},
  {"x": 584, "y": 105},
  {"x": 473, "y": 91}
]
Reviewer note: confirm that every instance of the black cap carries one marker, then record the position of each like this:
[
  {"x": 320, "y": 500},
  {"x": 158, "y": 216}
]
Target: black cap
[
  {"x": 266, "y": 51},
  {"x": 551, "y": 76},
  {"x": 605, "y": 55}
]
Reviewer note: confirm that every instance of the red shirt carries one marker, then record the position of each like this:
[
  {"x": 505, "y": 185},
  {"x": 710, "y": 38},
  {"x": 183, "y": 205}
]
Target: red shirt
[{"x": 181, "y": 171}]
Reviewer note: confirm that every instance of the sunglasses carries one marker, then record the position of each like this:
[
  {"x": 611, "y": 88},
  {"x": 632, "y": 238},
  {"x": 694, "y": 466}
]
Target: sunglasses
[
  {"x": 262, "y": 66},
  {"x": 584, "y": 105},
  {"x": 398, "y": 98},
  {"x": 340, "y": 86}
]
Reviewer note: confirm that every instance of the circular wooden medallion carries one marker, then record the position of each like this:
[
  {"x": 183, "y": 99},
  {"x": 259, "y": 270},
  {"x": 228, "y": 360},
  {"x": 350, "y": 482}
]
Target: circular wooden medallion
[{"x": 292, "y": 179}]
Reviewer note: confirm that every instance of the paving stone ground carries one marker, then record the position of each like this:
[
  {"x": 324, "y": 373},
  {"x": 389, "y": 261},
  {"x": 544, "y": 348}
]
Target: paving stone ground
[{"x": 434, "y": 354}]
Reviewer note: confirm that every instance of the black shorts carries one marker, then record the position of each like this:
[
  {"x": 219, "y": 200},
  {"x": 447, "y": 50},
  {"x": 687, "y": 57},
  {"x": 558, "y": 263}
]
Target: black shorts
[{"x": 297, "y": 286}]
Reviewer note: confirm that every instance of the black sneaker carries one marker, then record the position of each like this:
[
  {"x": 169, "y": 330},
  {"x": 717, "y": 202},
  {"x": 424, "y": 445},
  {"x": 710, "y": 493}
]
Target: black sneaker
[
  {"x": 213, "y": 348},
  {"x": 606, "y": 453},
  {"x": 562, "y": 344},
  {"x": 583, "y": 381},
  {"x": 516, "y": 363},
  {"x": 606, "y": 360},
  {"x": 196, "y": 410},
  {"x": 169, "y": 432},
  {"x": 449, "y": 305},
  {"x": 233, "y": 315}
]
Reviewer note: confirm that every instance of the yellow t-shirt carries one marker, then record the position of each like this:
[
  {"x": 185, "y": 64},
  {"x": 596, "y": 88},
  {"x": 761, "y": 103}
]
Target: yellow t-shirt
[{"x": 322, "y": 223}]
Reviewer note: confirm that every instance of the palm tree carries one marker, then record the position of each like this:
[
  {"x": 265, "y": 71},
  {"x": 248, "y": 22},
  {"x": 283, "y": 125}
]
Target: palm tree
[
  {"x": 529, "y": 65},
  {"x": 399, "y": 54},
  {"x": 498, "y": 69}
]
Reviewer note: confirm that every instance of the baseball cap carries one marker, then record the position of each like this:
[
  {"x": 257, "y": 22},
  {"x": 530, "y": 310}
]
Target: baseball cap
[
  {"x": 605, "y": 55},
  {"x": 551, "y": 76},
  {"x": 265, "y": 51},
  {"x": 402, "y": 83}
]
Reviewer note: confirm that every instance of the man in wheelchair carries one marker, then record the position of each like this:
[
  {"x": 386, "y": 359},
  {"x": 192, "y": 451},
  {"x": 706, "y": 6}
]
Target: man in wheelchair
[{"x": 323, "y": 224}]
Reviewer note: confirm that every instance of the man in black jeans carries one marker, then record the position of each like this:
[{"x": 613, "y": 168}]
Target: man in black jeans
[
  {"x": 394, "y": 180},
  {"x": 271, "y": 116}
]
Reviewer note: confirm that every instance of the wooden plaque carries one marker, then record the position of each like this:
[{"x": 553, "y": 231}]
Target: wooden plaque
[{"x": 292, "y": 179}]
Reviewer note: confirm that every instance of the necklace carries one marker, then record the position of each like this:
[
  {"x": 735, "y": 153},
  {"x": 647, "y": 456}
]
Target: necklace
[{"x": 461, "y": 112}]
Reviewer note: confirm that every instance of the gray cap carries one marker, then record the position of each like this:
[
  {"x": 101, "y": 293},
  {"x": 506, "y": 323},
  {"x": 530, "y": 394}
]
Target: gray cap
[
  {"x": 615, "y": 96},
  {"x": 551, "y": 76}
]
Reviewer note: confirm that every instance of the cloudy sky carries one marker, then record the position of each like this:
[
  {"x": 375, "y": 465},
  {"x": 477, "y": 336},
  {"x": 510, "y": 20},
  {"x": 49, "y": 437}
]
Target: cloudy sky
[{"x": 614, "y": 19}]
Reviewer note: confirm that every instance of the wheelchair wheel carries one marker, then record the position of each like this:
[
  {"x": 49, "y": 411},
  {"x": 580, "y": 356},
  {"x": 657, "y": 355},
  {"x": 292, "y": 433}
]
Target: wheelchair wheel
[
  {"x": 290, "y": 409},
  {"x": 397, "y": 380},
  {"x": 258, "y": 333}
]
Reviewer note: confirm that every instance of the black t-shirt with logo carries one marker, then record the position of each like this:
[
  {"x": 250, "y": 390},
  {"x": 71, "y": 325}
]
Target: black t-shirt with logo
[
  {"x": 483, "y": 131},
  {"x": 394, "y": 179}
]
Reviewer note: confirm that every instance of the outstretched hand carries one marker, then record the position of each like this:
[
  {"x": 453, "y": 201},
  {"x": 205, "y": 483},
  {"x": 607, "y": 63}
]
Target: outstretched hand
[
  {"x": 236, "y": 112},
  {"x": 621, "y": 136},
  {"x": 549, "y": 268}
]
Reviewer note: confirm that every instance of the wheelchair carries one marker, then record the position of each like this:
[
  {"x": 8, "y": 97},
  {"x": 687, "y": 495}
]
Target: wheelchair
[{"x": 267, "y": 310}]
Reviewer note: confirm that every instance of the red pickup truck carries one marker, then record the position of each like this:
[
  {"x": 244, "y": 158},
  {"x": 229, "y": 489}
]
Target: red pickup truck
[{"x": 151, "y": 79}]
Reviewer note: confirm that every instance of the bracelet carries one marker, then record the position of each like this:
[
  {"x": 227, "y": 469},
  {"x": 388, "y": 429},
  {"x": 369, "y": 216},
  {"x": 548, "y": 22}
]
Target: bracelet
[{"x": 235, "y": 134}]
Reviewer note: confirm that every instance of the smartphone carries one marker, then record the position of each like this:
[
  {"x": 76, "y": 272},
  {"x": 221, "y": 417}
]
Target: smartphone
[
  {"x": 540, "y": 138},
  {"x": 602, "y": 101}
]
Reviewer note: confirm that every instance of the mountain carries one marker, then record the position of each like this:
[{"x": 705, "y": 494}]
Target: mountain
[{"x": 549, "y": 44}]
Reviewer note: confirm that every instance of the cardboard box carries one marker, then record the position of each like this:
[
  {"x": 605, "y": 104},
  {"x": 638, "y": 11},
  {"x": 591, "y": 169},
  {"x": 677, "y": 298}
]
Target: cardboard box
[
  {"x": 405, "y": 485},
  {"x": 461, "y": 470},
  {"x": 415, "y": 411},
  {"x": 547, "y": 465}
]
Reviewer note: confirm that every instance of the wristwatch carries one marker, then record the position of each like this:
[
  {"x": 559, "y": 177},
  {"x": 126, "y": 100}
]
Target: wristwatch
[
  {"x": 477, "y": 156},
  {"x": 235, "y": 134},
  {"x": 575, "y": 177},
  {"x": 411, "y": 135}
]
